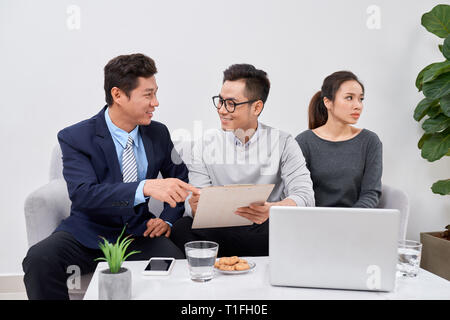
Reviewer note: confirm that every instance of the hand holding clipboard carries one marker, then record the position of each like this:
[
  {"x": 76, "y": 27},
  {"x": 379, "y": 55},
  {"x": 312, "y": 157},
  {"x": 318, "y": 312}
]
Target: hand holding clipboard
[{"x": 217, "y": 205}]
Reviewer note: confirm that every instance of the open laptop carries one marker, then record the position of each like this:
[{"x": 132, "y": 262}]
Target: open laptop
[{"x": 338, "y": 248}]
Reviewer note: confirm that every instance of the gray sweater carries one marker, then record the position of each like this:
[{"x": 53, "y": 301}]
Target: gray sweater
[
  {"x": 344, "y": 173},
  {"x": 270, "y": 156}
]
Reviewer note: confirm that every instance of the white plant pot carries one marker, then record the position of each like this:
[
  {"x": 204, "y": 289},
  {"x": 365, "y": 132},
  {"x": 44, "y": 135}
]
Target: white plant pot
[{"x": 114, "y": 286}]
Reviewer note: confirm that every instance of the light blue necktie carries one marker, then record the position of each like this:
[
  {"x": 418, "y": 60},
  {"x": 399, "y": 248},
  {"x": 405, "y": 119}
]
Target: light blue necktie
[{"x": 129, "y": 166}]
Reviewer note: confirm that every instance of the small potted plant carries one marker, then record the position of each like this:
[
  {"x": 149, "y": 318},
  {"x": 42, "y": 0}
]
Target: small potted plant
[
  {"x": 115, "y": 283},
  {"x": 434, "y": 82}
]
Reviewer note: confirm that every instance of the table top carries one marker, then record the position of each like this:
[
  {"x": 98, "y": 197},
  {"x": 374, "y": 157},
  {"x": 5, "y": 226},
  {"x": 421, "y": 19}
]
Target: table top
[{"x": 255, "y": 285}]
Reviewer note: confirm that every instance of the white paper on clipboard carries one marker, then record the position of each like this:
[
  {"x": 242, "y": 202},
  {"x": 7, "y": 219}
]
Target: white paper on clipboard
[{"x": 217, "y": 204}]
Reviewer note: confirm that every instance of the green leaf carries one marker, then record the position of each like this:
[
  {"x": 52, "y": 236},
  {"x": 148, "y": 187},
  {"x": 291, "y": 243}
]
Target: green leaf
[
  {"x": 124, "y": 242},
  {"x": 419, "y": 79},
  {"x": 445, "y": 105},
  {"x": 123, "y": 230},
  {"x": 423, "y": 106},
  {"x": 440, "y": 48},
  {"x": 101, "y": 258},
  {"x": 112, "y": 262},
  {"x": 124, "y": 246},
  {"x": 437, "y": 124},
  {"x": 437, "y": 21},
  {"x": 132, "y": 252},
  {"x": 441, "y": 187},
  {"x": 436, "y": 70},
  {"x": 446, "y": 48},
  {"x": 425, "y": 137},
  {"x": 105, "y": 248},
  {"x": 437, "y": 88},
  {"x": 436, "y": 146},
  {"x": 434, "y": 111}
]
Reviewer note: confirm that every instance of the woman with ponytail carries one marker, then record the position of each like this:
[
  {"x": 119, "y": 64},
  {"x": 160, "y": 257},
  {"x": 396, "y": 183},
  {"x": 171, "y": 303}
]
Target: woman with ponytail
[{"x": 345, "y": 162}]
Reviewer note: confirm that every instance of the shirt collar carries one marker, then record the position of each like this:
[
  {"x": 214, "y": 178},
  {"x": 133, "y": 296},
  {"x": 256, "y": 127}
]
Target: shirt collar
[
  {"x": 238, "y": 142},
  {"x": 121, "y": 135}
]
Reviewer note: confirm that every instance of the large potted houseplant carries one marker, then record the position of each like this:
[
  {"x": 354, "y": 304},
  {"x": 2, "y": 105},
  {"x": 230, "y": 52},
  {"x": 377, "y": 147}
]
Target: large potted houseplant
[
  {"x": 434, "y": 82},
  {"x": 115, "y": 283}
]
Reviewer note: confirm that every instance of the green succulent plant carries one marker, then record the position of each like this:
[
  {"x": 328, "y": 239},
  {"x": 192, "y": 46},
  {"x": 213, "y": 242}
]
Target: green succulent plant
[
  {"x": 434, "y": 82},
  {"x": 115, "y": 254}
]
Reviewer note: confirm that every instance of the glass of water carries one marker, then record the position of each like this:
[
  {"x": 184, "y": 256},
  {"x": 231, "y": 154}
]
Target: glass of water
[
  {"x": 201, "y": 256},
  {"x": 409, "y": 253}
]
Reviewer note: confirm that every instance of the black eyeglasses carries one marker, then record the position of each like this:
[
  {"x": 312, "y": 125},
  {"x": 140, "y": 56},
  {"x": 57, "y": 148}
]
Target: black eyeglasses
[{"x": 230, "y": 105}]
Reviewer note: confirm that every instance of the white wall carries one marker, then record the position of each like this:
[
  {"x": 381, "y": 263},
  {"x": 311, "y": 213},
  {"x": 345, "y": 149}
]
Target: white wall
[{"x": 52, "y": 76}]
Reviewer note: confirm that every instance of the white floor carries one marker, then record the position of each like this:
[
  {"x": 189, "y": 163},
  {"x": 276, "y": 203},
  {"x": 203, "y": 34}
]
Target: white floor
[
  {"x": 12, "y": 288},
  {"x": 13, "y": 296}
]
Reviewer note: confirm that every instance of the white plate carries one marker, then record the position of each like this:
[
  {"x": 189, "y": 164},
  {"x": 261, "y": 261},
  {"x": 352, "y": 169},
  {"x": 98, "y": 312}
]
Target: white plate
[{"x": 252, "y": 266}]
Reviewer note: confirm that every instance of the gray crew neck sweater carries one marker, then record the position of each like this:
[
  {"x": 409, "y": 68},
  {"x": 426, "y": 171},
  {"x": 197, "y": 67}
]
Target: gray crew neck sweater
[{"x": 344, "y": 173}]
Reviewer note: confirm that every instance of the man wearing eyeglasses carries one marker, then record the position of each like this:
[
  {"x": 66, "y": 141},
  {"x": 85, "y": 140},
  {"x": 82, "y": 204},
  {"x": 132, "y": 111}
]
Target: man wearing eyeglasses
[{"x": 245, "y": 151}]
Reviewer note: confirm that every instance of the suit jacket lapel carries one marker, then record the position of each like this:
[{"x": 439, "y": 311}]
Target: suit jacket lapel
[
  {"x": 149, "y": 152},
  {"x": 104, "y": 140}
]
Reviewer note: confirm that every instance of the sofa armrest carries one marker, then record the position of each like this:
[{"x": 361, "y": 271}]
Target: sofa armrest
[
  {"x": 394, "y": 198},
  {"x": 45, "y": 208}
]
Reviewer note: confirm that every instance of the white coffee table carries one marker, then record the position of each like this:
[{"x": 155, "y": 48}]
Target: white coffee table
[{"x": 255, "y": 285}]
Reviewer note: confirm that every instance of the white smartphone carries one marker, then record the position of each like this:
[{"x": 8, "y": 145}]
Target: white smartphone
[{"x": 159, "y": 266}]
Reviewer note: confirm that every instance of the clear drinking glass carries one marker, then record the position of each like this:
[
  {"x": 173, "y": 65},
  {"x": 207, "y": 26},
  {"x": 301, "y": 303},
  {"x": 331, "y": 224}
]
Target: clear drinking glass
[
  {"x": 409, "y": 253},
  {"x": 201, "y": 256}
]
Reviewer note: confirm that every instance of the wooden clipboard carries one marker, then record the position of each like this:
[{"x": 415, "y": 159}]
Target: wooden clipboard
[{"x": 217, "y": 204}]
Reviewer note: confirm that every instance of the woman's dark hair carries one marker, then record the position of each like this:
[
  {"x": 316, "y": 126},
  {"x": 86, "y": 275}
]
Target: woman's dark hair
[
  {"x": 257, "y": 85},
  {"x": 317, "y": 112},
  {"x": 123, "y": 72}
]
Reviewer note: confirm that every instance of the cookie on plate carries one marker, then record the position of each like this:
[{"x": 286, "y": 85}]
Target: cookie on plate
[{"x": 241, "y": 266}]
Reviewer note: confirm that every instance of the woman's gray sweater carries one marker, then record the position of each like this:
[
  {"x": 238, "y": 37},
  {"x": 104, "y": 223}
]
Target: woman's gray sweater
[{"x": 344, "y": 173}]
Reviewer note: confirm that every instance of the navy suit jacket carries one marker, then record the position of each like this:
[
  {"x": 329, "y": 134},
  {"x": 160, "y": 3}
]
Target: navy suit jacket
[{"x": 101, "y": 203}]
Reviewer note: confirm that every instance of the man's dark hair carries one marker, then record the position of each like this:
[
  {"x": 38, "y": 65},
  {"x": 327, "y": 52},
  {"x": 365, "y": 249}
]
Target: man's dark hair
[
  {"x": 123, "y": 72},
  {"x": 257, "y": 85}
]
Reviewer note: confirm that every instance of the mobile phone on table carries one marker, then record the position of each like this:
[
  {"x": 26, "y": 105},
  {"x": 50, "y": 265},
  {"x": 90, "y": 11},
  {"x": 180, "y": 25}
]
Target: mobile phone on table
[{"x": 159, "y": 266}]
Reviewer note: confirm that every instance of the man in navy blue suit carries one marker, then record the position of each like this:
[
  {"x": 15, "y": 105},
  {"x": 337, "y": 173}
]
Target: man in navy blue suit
[{"x": 111, "y": 163}]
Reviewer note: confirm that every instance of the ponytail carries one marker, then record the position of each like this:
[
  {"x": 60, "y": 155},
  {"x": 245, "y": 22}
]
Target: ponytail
[{"x": 317, "y": 112}]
